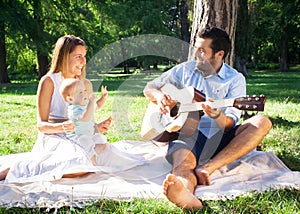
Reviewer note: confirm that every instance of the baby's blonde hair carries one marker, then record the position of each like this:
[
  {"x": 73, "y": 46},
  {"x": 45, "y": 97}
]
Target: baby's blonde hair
[{"x": 67, "y": 87}]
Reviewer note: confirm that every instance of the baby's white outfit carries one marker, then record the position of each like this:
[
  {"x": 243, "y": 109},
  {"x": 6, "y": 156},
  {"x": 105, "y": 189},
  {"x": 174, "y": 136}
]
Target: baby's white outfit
[{"x": 111, "y": 160}]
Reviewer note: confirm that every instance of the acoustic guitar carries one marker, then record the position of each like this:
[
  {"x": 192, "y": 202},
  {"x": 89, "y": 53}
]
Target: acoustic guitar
[{"x": 163, "y": 127}]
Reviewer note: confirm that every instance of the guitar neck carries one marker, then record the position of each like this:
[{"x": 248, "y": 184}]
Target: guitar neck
[{"x": 197, "y": 105}]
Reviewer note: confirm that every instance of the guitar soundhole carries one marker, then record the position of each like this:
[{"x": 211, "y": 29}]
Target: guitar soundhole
[{"x": 174, "y": 110}]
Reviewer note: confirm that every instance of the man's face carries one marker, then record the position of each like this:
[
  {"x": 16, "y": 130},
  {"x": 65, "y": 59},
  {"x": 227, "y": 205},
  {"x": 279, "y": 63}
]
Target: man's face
[{"x": 206, "y": 61}]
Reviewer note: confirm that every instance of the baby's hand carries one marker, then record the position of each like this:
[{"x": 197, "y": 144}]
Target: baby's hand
[
  {"x": 104, "y": 91},
  {"x": 92, "y": 97}
]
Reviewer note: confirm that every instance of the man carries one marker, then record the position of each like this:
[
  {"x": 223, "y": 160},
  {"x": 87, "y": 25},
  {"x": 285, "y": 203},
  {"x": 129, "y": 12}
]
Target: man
[{"x": 218, "y": 140}]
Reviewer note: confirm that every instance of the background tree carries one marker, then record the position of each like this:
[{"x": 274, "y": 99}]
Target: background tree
[
  {"x": 219, "y": 13},
  {"x": 242, "y": 38},
  {"x": 267, "y": 32},
  {"x": 274, "y": 30},
  {"x": 3, "y": 66}
]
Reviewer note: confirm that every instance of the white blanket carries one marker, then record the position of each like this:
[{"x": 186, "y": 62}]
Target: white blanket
[{"x": 257, "y": 171}]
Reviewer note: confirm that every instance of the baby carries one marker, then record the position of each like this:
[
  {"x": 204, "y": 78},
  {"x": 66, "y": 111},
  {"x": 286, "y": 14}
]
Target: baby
[{"x": 81, "y": 111}]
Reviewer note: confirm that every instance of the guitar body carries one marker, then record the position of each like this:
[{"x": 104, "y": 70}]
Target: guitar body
[
  {"x": 159, "y": 127},
  {"x": 187, "y": 112}
]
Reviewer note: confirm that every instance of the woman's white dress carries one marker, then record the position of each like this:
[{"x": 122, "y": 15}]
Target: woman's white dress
[{"x": 53, "y": 155}]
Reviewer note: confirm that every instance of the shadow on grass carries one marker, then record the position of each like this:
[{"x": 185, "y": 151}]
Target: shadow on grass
[
  {"x": 280, "y": 122},
  {"x": 18, "y": 103},
  {"x": 275, "y": 85},
  {"x": 292, "y": 162},
  {"x": 19, "y": 88}
]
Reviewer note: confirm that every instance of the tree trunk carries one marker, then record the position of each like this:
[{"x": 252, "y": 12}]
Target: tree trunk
[
  {"x": 43, "y": 64},
  {"x": 242, "y": 38},
  {"x": 219, "y": 13},
  {"x": 184, "y": 22},
  {"x": 38, "y": 37},
  {"x": 283, "y": 65},
  {"x": 3, "y": 66}
]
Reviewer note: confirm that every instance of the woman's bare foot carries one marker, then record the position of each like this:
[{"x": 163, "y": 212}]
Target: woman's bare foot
[
  {"x": 178, "y": 194},
  {"x": 202, "y": 176},
  {"x": 3, "y": 174},
  {"x": 74, "y": 175}
]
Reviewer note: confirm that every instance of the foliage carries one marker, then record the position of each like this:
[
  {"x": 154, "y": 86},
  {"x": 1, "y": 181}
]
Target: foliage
[
  {"x": 33, "y": 26},
  {"x": 269, "y": 22}
]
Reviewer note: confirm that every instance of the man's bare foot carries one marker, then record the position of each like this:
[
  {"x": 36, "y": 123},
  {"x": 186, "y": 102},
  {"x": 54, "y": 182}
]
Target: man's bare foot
[
  {"x": 202, "y": 176},
  {"x": 177, "y": 193}
]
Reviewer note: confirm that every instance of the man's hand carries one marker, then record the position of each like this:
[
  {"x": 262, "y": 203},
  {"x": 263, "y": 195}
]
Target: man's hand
[
  {"x": 211, "y": 112},
  {"x": 165, "y": 103}
]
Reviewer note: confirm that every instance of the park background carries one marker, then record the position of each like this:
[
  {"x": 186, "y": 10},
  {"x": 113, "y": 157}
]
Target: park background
[{"x": 265, "y": 49}]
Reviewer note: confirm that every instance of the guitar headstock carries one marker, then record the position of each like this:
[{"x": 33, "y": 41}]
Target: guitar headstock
[{"x": 250, "y": 103}]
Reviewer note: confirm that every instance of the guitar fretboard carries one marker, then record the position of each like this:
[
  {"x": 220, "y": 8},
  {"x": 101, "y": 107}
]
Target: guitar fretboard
[{"x": 197, "y": 106}]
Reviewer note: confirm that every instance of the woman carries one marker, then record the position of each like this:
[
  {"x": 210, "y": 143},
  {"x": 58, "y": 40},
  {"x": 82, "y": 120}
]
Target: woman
[{"x": 54, "y": 156}]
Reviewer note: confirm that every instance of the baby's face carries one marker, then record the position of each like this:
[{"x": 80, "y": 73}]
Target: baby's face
[{"x": 80, "y": 94}]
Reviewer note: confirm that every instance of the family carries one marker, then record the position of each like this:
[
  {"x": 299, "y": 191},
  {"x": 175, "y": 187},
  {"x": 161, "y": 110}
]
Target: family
[{"x": 66, "y": 105}]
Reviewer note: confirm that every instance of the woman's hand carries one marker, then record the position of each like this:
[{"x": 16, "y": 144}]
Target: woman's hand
[
  {"x": 104, "y": 125},
  {"x": 68, "y": 126}
]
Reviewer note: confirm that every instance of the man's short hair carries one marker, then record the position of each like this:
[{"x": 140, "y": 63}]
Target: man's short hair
[{"x": 220, "y": 39}]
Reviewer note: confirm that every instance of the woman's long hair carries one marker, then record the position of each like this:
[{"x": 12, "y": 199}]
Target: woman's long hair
[{"x": 60, "y": 57}]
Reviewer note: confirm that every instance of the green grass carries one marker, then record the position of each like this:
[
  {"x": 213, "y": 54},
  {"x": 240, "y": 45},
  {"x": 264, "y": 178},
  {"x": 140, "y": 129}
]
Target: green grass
[{"x": 127, "y": 106}]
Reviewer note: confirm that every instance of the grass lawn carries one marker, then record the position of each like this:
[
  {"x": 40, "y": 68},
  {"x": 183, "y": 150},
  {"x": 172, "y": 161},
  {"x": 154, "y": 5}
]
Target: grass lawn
[{"x": 127, "y": 105}]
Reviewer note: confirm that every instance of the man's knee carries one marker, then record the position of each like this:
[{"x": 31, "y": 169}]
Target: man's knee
[
  {"x": 258, "y": 125},
  {"x": 263, "y": 122}
]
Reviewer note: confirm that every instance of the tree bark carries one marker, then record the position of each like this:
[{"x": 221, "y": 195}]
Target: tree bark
[
  {"x": 219, "y": 13},
  {"x": 283, "y": 65},
  {"x": 3, "y": 66},
  {"x": 38, "y": 36},
  {"x": 43, "y": 64},
  {"x": 184, "y": 22},
  {"x": 242, "y": 38}
]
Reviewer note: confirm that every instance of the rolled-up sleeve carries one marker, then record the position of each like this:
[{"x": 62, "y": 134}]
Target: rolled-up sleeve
[{"x": 237, "y": 89}]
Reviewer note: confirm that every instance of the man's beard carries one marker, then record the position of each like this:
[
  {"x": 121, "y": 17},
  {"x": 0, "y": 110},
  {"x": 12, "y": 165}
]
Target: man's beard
[{"x": 206, "y": 68}]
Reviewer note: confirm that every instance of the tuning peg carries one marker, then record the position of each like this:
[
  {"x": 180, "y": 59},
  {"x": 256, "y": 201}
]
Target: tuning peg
[
  {"x": 247, "y": 106},
  {"x": 240, "y": 106},
  {"x": 253, "y": 95},
  {"x": 256, "y": 98},
  {"x": 261, "y": 95},
  {"x": 254, "y": 106}
]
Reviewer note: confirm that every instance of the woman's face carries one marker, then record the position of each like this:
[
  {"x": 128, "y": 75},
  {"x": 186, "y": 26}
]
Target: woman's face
[{"x": 76, "y": 61}]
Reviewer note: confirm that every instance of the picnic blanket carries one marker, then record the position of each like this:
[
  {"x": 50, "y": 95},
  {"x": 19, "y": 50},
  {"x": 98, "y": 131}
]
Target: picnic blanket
[{"x": 258, "y": 171}]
